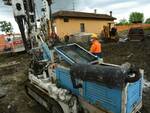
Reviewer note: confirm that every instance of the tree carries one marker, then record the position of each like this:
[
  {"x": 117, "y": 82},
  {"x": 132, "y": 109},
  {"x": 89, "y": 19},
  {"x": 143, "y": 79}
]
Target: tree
[
  {"x": 136, "y": 17},
  {"x": 123, "y": 22},
  {"x": 6, "y": 27},
  {"x": 147, "y": 21}
]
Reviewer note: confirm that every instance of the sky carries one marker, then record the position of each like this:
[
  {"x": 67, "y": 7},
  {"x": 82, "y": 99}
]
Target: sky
[{"x": 121, "y": 8}]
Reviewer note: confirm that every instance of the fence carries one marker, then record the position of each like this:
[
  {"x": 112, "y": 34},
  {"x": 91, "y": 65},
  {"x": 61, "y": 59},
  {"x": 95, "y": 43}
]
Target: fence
[{"x": 127, "y": 27}]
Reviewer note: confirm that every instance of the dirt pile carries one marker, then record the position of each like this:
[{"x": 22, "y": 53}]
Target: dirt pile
[{"x": 137, "y": 53}]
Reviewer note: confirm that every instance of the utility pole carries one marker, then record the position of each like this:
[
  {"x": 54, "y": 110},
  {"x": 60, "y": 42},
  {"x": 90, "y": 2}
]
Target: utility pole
[
  {"x": 73, "y": 5},
  {"x": 50, "y": 9}
]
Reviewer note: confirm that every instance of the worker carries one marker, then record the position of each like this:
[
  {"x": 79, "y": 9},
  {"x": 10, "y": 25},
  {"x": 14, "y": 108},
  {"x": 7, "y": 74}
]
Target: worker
[
  {"x": 54, "y": 39},
  {"x": 96, "y": 46},
  {"x": 113, "y": 32},
  {"x": 66, "y": 37}
]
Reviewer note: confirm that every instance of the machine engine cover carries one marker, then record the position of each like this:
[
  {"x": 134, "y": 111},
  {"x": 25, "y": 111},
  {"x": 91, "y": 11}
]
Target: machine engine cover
[{"x": 111, "y": 76}]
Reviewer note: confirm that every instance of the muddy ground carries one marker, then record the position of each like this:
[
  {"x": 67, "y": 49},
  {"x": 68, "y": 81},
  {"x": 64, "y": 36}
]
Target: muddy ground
[
  {"x": 12, "y": 82},
  {"x": 137, "y": 53}
]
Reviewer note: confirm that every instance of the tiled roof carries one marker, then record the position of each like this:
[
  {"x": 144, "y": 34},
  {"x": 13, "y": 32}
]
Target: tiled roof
[{"x": 74, "y": 14}]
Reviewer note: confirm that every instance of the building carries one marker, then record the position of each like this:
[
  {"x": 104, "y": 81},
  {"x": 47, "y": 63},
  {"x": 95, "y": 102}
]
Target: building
[{"x": 69, "y": 22}]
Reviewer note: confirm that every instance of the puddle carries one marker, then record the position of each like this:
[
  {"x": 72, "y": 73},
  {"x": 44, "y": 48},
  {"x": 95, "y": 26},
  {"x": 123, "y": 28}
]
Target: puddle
[
  {"x": 3, "y": 92},
  {"x": 146, "y": 84}
]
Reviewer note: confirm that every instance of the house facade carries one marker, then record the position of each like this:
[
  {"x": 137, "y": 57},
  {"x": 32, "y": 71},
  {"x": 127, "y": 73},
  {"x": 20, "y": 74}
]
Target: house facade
[{"x": 70, "y": 22}]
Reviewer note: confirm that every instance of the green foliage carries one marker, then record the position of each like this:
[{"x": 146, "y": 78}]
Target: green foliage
[
  {"x": 6, "y": 27},
  {"x": 147, "y": 21},
  {"x": 123, "y": 22},
  {"x": 136, "y": 17}
]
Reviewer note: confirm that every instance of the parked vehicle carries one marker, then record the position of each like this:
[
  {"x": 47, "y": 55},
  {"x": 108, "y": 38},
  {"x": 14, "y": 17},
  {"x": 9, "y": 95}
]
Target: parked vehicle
[
  {"x": 136, "y": 34},
  {"x": 80, "y": 37},
  {"x": 11, "y": 43}
]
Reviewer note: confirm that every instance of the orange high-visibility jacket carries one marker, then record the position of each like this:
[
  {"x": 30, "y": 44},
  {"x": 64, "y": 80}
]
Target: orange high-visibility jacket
[{"x": 96, "y": 47}]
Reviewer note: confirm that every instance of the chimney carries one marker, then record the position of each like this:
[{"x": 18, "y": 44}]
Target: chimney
[
  {"x": 95, "y": 11},
  {"x": 110, "y": 13}
]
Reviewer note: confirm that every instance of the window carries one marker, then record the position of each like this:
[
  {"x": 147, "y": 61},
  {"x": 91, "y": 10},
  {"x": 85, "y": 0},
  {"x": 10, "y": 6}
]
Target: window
[
  {"x": 82, "y": 27},
  {"x": 66, "y": 19}
]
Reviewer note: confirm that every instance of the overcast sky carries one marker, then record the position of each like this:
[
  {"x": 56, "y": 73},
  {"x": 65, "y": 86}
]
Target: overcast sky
[{"x": 121, "y": 8}]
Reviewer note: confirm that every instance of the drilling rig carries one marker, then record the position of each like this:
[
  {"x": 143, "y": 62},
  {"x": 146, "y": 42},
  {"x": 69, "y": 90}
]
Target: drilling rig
[{"x": 68, "y": 78}]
